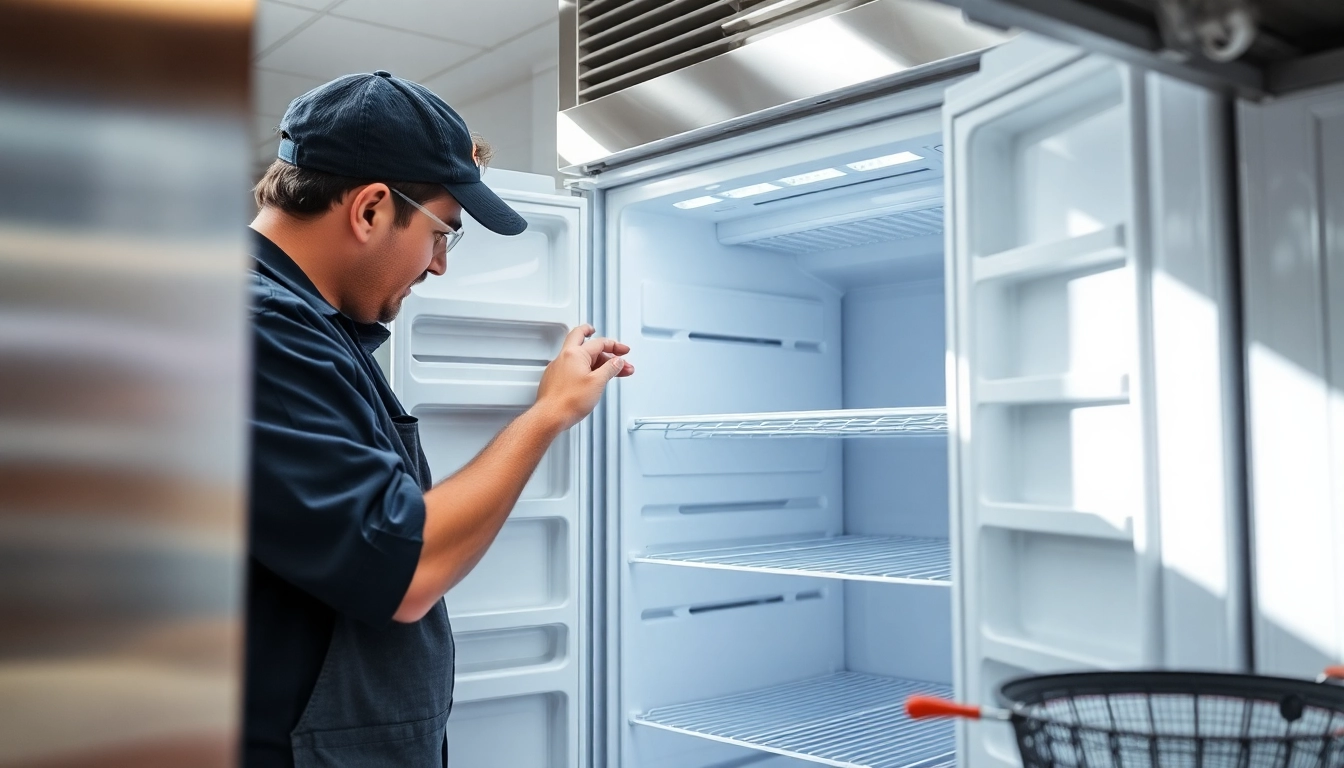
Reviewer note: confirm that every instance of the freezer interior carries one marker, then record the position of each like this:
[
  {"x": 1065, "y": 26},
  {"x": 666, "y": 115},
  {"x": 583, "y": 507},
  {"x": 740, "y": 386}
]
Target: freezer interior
[{"x": 782, "y": 518}]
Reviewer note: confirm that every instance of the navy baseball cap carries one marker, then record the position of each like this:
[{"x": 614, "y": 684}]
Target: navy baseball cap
[{"x": 381, "y": 127}]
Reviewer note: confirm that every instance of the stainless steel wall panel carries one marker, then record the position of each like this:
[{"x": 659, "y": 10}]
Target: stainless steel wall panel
[
  {"x": 123, "y": 150},
  {"x": 880, "y": 42}
]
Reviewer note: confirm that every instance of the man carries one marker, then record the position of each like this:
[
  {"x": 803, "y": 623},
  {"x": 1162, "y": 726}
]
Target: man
[{"x": 349, "y": 650}]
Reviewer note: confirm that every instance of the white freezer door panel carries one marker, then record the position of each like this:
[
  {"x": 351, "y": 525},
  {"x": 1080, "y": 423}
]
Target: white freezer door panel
[
  {"x": 1293, "y": 287},
  {"x": 1096, "y": 519},
  {"x": 467, "y": 353}
]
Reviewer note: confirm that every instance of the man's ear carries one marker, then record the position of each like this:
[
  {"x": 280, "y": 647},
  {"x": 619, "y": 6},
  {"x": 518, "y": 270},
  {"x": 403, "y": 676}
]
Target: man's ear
[{"x": 367, "y": 205}]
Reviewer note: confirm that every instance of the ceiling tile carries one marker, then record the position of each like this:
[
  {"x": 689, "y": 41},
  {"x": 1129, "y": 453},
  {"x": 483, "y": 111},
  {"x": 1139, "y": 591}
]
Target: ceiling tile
[
  {"x": 272, "y": 91},
  {"x": 274, "y": 21},
  {"x": 332, "y": 47},
  {"x": 502, "y": 66},
  {"x": 479, "y": 23}
]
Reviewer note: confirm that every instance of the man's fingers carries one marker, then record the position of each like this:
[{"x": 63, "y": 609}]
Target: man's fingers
[
  {"x": 576, "y": 336},
  {"x": 624, "y": 370},
  {"x": 600, "y": 344},
  {"x": 613, "y": 368}
]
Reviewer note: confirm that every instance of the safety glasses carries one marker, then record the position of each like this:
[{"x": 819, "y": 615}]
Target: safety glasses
[{"x": 451, "y": 237}]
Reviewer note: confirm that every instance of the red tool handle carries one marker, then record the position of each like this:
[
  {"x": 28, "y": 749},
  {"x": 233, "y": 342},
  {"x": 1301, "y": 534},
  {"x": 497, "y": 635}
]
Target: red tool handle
[{"x": 921, "y": 707}]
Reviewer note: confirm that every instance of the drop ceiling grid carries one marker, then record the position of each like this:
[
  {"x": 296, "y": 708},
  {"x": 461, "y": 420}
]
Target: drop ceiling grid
[
  {"x": 300, "y": 44},
  {"x": 330, "y": 45}
]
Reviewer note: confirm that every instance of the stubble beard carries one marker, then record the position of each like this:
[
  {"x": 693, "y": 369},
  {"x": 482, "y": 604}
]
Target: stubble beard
[{"x": 390, "y": 313}]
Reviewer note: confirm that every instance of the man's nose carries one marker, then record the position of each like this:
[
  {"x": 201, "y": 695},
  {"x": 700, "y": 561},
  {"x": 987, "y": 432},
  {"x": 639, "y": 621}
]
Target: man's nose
[{"x": 439, "y": 264}]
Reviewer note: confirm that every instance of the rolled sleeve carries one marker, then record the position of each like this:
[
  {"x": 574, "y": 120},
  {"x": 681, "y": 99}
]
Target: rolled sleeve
[{"x": 334, "y": 510}]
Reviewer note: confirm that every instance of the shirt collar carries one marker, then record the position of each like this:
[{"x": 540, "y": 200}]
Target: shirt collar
[{"x": 278, "y": 263}]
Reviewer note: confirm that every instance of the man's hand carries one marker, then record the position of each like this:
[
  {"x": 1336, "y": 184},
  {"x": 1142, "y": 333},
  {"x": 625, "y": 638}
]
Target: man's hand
[
  {"x": 464, "y": 513},
  {"x": 573, "y": 382}
]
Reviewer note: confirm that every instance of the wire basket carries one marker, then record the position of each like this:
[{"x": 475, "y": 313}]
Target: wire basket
[{"x": 1165, "y": 720}]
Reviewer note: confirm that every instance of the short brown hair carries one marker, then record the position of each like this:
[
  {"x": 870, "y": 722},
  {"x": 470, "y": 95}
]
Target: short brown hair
[
  {"x": 306, "y": 193},
  {"x": 481, "y": 151}
]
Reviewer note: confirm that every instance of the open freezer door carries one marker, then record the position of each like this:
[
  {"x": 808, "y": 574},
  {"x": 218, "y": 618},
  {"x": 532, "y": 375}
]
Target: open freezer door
[
  {"x": 1096, "y": 512},
  {"x": 468, "y": 351}
]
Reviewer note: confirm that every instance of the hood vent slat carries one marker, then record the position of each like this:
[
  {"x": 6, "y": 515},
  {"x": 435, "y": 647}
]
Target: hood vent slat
[{"x": 625, "y": 42}]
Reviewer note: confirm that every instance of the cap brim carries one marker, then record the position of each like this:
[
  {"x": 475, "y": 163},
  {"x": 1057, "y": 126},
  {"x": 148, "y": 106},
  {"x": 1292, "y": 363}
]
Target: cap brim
[{"x": 485, "y": 207}]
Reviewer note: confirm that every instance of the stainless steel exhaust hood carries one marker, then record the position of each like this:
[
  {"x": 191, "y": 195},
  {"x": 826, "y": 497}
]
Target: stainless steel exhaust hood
[{"x": 814, "y": 53}]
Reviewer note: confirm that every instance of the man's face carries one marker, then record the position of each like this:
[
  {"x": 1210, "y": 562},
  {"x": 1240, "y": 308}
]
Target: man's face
[{"x": 405, "y": 256}]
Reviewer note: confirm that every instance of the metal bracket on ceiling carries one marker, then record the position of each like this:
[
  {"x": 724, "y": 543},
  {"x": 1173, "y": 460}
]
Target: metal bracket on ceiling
[{"x": 1218, "y": 30}]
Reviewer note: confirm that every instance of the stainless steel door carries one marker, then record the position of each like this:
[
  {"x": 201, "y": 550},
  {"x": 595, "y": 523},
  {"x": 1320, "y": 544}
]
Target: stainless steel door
[{"x": 123, "y": 154}]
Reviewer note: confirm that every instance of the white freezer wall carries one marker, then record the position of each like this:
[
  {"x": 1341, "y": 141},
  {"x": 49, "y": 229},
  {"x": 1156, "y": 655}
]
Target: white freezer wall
[
  {"x": 689, "y": 634},
  {"x": 1292, "y": 182},
  {"x": 894, "y": 348}
]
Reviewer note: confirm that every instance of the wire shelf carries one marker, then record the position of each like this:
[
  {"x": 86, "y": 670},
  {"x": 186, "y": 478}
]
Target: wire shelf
[
  {"x": 866, "y": 422},
  {"x": 889, "y": 559},
  {"x": 848, "y": 719}
]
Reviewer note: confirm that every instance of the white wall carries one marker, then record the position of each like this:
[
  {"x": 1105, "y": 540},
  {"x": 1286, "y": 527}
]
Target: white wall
[
  {"x": 499, "y": 71},
  {"x": 519, "y": 121}
]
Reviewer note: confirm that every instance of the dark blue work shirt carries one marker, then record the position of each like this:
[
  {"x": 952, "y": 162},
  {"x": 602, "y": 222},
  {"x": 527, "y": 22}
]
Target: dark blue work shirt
[{"x": 336, "y": 518}]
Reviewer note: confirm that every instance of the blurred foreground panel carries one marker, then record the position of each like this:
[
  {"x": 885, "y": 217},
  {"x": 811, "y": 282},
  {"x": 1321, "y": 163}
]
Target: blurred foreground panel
[{"x": 123, "y": 200}]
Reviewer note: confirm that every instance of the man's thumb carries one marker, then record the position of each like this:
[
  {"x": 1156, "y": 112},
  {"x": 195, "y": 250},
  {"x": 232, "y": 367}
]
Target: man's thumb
[{"x": 614, "y": 367}]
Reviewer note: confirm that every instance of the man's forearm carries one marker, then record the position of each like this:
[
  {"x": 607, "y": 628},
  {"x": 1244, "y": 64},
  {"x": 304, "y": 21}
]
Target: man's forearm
[{"x": 464, "y": 513}]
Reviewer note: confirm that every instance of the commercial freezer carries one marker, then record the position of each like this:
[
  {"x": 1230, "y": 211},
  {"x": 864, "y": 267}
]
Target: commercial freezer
[{"x": 935, "y": 388}]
